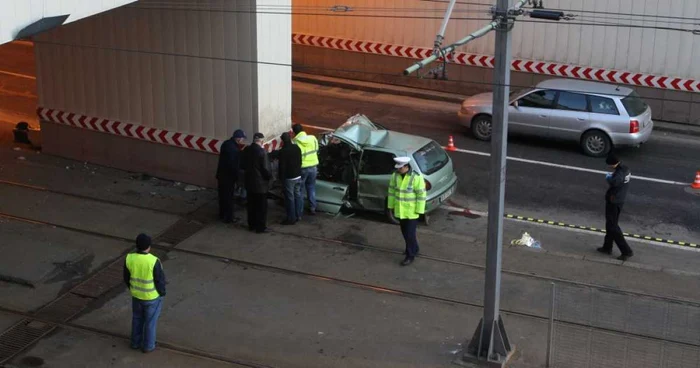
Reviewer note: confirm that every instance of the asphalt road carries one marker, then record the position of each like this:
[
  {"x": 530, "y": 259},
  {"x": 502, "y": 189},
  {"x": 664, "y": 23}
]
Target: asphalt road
[
  {"x": 564, "y": 194},
  {"x": 533, "y": 189}
]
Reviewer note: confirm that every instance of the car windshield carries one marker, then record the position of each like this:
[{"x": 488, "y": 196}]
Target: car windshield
[
  {"x": 431, "y": 158},
  {"x": 634, "y": 104}
]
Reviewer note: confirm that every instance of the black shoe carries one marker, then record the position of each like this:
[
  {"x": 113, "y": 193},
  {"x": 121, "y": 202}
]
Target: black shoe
[
  {"x": 603, "y": 250},
  {"x": 624, "y": 257},
  {"x": 287, "y": 222},
  {"x": 407, "y": 261},
  {"x": 312, "y": 213},
  {"x": 227, "y": 221},
  {"x": 263, "y": 231}
]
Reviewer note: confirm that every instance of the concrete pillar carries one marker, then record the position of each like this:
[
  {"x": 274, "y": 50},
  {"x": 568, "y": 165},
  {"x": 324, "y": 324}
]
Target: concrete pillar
[{"x": 155, "y": 86}]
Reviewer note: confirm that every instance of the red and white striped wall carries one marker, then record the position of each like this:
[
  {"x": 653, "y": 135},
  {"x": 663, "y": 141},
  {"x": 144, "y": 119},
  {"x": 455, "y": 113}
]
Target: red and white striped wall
[
  {"x": 538, "y": 67},
  {"x": 136, "y": 131}
]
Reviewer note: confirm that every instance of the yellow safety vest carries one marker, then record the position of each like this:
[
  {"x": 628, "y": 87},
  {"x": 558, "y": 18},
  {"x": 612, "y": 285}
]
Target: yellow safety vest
[
  {"x": 309, "y": 149},
  {"x": 407, "y": 195},
  {"x": 140, "y": 267}
]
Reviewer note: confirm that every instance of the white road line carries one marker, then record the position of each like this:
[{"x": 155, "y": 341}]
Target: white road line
[
  {"x": 576, "y": 168},
  {"x": 17, "y": 75},
  {"x": 559, "y": 166}
]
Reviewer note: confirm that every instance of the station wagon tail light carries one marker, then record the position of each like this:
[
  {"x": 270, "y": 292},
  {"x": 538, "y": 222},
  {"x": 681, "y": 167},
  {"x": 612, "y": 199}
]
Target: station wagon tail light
[
  {"x": 634, "y": 126},
  {"x": 428, "y": 186}
]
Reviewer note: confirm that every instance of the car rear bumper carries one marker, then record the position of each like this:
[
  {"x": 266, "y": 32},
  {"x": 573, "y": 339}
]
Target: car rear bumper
[
  {"x": 435, "y": 200},
  {"x": 626, "y": 139}
]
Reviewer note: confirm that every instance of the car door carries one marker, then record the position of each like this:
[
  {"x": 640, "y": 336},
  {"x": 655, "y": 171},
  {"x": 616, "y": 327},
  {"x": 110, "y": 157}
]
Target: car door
[
  {"x": 376, "y": 167},
  {"x": 531, "y": 113},
  {"x": 570, "y": 116}
]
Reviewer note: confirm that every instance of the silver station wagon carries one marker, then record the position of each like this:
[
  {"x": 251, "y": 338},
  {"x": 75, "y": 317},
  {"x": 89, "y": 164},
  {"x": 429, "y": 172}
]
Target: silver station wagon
[{"x": 598, "y": 116}]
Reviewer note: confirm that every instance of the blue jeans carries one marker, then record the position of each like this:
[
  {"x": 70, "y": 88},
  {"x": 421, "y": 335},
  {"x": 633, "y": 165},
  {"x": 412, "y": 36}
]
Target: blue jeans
[
  {"x": 145, "y": 315},
  {"x": 293, "y": 202},
  {"x": 408, "y": 230},
  {"x": 308, "y": 181}
]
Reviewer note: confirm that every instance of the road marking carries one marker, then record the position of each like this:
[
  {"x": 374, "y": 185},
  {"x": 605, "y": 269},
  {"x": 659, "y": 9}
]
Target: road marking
[
  {"x": 543, "y": 163},
  {"x": 18, "y": 75},
  {"x": 567, "y": 167},
  {"x": 563, "y": 225}
]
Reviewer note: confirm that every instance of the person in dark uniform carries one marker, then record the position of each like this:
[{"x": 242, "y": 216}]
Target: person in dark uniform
[
  {"x": 257, "y": 183},
  {"x": 227, "y": 174},
  {"x": 614, "y": 200},
  {"x": 290, "y": 175}
]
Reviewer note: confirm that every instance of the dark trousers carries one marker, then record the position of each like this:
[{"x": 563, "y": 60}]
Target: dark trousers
[
  {"x": 257, "y": 211},
  {"x": 293, "y": 202},
  {"x": 226, "y": 190},
  {"x": 408, "y": 230},
  {"x": 613, "y": 233}
]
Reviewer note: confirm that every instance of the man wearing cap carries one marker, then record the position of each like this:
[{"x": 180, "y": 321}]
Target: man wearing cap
[
  {"x": 309, "y": 163},
  {"x": 407, "y": 199},
  {"x": 227, "y": 175},
  {"x": 618, "y": 182},
  {"x": 144, "y": 276},
  {"x": 257, "y": 183}
]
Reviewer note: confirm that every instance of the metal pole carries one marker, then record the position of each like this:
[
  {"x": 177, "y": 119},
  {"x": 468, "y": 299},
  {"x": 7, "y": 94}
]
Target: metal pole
[
  {"x": 490, "y": 341},
  {"x": 550, "y": 335},
  {"x": 441, "y": 33}
]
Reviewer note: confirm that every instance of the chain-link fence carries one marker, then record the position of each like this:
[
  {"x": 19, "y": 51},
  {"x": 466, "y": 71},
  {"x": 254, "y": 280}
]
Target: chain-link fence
[{"x": 596, "y": 328}]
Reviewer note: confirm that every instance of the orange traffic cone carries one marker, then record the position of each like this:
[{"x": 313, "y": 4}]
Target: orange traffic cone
[
  {"x": 451, "y": 145},
  {"x": 696, "y": 184}
]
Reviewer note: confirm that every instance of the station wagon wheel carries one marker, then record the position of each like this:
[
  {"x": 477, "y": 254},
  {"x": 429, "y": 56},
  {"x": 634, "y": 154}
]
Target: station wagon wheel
[
  {"x": 481, "y": 127},
  {"x": 596, "y": 143}
]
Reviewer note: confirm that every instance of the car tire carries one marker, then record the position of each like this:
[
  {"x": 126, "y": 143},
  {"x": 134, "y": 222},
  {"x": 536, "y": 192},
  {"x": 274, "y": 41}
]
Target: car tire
[
  {"x": 482, "y": 128},
  {"x": 389, "y": 214},
  {"x": 596, "y": 143}
]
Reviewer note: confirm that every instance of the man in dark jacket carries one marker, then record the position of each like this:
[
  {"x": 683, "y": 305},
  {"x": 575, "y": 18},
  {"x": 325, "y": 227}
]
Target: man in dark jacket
[
  {"x": 227, "y": 174},
  {"x": 614, "y": 200},
  {"x": 257, "y": 183},
  {"x": 290, "y": 176}
]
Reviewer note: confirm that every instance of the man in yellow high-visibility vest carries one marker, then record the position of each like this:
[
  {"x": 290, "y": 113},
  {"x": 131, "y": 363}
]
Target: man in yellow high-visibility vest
[
  {"x": 407, "y": 197},
  {"x": 143, "y": 274},
  {"x": 309, "y": 162}
]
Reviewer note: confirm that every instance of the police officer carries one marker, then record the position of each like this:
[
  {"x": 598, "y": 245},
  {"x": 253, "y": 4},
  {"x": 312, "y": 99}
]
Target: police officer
[
  {"x": 618, "y": 182},
  {"x": 309, "y": 163},
  {"x": 407, "y": 199},
  {"x": 143, "y": 274}
]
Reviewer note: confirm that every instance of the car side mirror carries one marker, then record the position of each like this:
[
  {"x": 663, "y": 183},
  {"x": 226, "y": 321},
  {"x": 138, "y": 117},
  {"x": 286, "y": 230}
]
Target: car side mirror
[{"x": 515, "y": 104}]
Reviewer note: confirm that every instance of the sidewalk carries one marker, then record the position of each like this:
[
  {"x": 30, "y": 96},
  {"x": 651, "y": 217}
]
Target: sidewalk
[{"x": 678, "y": 128}]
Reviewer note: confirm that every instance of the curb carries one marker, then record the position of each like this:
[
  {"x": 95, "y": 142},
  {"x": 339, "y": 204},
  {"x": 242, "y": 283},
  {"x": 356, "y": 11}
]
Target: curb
[{"x": 678, "y": 128}]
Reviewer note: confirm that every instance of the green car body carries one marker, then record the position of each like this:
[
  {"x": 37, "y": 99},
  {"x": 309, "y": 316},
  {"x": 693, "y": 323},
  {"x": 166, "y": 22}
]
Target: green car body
[{"x": 356, "y": 162}]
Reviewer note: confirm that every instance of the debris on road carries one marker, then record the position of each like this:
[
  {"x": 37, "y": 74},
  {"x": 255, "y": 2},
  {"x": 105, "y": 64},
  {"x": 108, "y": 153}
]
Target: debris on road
[
  {"x": 527, "y": 241},
  {"x": 192, "y": 188},
  {"x": 22, "y": 158}
]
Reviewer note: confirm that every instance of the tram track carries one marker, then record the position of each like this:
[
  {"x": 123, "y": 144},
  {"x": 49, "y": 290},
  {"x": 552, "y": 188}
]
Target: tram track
[{"x": 385, "y": 289}]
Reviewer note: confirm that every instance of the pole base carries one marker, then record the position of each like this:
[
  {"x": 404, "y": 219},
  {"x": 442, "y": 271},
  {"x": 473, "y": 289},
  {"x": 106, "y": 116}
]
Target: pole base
[{"x": 479, "y": 353}]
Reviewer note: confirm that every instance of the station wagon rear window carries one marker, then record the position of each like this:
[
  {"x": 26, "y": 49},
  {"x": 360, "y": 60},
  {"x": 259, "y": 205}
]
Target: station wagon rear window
[
  {"x": 634, "y": 104},
  {"x": 431, "y": 158}
]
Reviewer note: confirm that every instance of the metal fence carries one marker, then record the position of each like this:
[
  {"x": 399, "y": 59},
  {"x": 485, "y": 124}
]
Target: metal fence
[{"x": 596, "y": 328}]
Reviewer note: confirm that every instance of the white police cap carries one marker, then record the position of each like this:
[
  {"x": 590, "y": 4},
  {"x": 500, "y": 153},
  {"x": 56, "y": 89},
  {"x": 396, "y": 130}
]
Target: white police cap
[{"x": 401, "y": 162}]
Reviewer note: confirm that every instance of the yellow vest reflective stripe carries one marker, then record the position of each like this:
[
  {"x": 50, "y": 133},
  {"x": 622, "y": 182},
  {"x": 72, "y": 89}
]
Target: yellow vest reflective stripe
[
  {"x": 407, "y": 196},
  {"x": 142, "y": 285},
  {"x": 309, "y": 149}
]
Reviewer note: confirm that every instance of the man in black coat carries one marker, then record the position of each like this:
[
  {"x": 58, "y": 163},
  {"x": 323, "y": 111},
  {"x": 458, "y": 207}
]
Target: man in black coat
[
  {"x": 290, "y": 176},
  {"x": 227, "y": 175},
  {"x": 257, "y": 183},
  {"x": 618, "y": 182}
]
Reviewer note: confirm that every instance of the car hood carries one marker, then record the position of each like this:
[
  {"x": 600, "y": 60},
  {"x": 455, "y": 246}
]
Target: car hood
[{"x": 482, "y": 99}]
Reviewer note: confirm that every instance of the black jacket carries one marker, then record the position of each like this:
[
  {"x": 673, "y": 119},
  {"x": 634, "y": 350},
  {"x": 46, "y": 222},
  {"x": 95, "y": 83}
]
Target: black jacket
[
  {"x": 619, "y": 184},
  {"x": 158, "y": 277},
  {"x": 257, "y": 169},
  {"x": 289, "y": 161},
  {"x": 229, "y": 161}
]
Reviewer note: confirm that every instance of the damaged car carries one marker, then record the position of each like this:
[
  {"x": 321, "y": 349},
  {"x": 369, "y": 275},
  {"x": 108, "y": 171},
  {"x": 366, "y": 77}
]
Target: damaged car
[{"x": 356, "y": 162}]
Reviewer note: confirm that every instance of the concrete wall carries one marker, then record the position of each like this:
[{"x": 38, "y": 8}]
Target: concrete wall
[{"x": 188, "y": 68}]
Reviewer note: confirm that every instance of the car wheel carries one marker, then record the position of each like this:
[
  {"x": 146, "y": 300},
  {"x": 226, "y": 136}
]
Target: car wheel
[
  {"x": 481, "y": 127},
  {"x": 390, "y": 215},
  {"x": 596, "y": 143}
]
